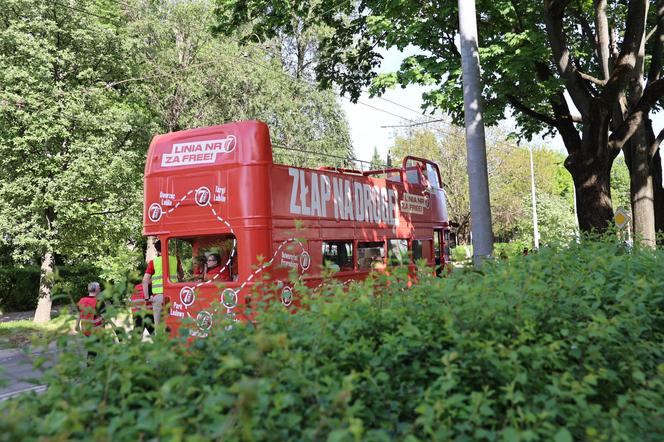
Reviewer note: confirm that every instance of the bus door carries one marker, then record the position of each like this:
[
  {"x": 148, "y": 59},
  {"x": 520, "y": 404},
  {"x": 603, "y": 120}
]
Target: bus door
[{"x": 441, "y": 252}]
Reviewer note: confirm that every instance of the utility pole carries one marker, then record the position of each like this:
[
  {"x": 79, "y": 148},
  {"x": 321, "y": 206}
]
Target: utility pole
[
  {"x": 532, "y": 189},
  {"x": 480, "y": 211}
]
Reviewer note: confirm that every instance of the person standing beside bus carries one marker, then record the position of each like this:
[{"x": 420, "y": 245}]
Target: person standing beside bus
[{"x": 154, "y": 275}]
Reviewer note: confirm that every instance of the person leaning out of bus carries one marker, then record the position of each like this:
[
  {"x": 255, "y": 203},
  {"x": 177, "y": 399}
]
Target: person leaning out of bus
[
  {"x": 217, "y": 268},
  {"x": 154, "y": 275}
]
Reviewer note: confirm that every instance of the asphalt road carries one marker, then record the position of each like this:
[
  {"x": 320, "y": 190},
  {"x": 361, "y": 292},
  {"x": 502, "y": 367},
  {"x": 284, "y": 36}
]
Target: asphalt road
[{"x": 18, "y": 374}]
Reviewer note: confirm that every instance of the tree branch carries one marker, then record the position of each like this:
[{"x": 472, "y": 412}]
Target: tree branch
[
  {"x": 651, "y": 95},
  {"x": 656, "y": 62},
  {"x": 553, "y": 17},
  {"x": 627, "y": 59},
  {"x": 591, "y": 79},
  {"x": 603, "y": 42},
  {"x": 518, "y": 105},
  {"x": 655, "y": 145},
  {"x": 110, "y": 212}
]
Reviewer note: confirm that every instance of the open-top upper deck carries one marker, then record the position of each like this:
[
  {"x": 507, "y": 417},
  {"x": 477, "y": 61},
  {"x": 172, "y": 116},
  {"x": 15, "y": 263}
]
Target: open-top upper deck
[{"x": 207, "y": 180}]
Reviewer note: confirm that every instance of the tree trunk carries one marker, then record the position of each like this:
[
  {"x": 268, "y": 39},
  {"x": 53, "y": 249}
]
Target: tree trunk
[
  {"x": 641, "y": 188},
  {"x": 43, "y": 312},
  {"x": 589, "y": 162},
  {"x": 658, "y": 191},
  {"x": 592, "y": 182}
]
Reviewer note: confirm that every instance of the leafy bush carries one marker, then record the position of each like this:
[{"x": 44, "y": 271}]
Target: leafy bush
[
  {"x": 19, "y": 286},
  {"x": 510, "y": 249},
  {"x": 462, "y": 253},
  {"x": 71, "y": 282},
  {"x": 558, "y": 345}
]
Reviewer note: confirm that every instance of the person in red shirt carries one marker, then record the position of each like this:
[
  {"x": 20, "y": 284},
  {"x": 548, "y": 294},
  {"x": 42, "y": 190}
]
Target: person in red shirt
[{"x": 216, "y": 269}]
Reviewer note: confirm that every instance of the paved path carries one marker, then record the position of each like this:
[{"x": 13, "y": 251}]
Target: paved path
[{"x": 19, "y": 373}]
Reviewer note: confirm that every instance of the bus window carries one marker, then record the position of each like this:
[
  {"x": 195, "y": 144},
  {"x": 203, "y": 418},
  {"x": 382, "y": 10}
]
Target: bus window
[
  {"x": 370, "y": 254},
  {"x": 338, "y": 255},
  {"x": 413, "y": 175},
  {"x": 205, "y": 258},
  {"x": 417, "y": 249},
  {"x": 432, "y": 176},
  {"x": 398, "y": 251}
]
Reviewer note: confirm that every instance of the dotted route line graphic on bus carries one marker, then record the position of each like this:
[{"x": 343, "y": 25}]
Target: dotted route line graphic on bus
[{"x": 228, "y": 296}]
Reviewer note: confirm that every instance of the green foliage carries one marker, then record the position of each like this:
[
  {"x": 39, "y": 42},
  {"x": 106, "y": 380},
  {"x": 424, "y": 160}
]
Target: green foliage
[
  {"x": 620, "y": 195},
  {"x": 555, "y": 220},
  {"x": 509, "y": 181},
  {"x": 19, "y": 286},
  {"x": 71, "y": 146},
  {"x": 560, "y": 345}
]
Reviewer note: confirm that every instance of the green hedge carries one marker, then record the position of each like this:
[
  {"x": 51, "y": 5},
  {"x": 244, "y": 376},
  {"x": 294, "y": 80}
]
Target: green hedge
[
  {"x": 560, "y": 345},
  {"x": 19, "y": 286}
]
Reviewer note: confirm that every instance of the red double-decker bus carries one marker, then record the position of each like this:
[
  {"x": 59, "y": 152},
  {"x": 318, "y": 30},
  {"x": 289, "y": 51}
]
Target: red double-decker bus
[{"x": 215, "y": 193}]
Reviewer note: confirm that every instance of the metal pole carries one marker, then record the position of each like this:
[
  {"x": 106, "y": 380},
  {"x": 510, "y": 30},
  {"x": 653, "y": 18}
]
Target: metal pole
[
  {"x": 480, "y": 211},
  {"x": 532, "y": 189}
]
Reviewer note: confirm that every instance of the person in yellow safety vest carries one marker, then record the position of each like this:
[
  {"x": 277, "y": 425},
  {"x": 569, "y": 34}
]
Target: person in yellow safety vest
[{"x": 154, "y": 279}]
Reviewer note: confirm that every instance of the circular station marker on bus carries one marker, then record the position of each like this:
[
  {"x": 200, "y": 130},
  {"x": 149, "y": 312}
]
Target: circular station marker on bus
[
  {"x": 305, "y": 261},
  {"x": 287, "y": 296},
  {"x": 187, "y": 296},
  {"x": 155, "y": 212},
  {"x": 204, "y": 320},
  {"x": 229, "y": 298},
  {"x": 202, "y": 196}
]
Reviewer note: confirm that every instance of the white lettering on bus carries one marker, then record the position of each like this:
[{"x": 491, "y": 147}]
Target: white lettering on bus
[
  {"x": 198, "y": 152},
  {"x": 303, "y": 195},
  {"x": 294, "y": 208},
  {"x": 315, "y": 196},
  {"x": 326, "y": 193},
  {"x": 348, "y": 201},
  {"x": 368, "y": 210},
  {"x": 338, "y": 186},
  {"x": 359, "y": 202},
  {"x": 352, "y": 200}
]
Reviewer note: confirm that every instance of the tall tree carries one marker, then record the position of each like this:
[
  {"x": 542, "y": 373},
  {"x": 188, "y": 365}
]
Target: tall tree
[
  {"x": 190, "y": 78},
  {"x": 70, "y": 147},
  {"x": 534, "y": 56}
]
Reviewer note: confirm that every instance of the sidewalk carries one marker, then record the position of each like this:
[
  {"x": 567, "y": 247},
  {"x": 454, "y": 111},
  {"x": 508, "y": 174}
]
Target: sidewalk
[{"x": 23, "y": 316}]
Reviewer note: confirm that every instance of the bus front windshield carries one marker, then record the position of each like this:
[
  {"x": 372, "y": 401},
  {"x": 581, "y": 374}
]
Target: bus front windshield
[{"x": 205, "y": 258}]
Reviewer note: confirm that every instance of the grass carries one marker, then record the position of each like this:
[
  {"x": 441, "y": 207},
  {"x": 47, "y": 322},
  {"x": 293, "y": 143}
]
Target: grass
[{"x": 19, "y": 334}]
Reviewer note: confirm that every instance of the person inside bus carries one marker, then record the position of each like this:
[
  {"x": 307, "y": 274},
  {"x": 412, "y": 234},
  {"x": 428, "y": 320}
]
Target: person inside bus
[{"x": 216, "y": 269}]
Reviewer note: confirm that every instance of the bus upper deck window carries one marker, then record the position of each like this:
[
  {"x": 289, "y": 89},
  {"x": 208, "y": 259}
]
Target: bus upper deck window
[
  {"x": 338, "y": 255},
  {"x": 432, "y": 176},
  {"x": 370, "y": 254},
  {"x": 205, "y": 258}
]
